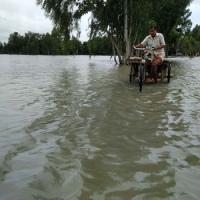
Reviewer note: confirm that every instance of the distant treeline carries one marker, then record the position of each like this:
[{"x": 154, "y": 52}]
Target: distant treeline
[
  {"x": 189, "y": 43},
  {"x": 54, "y": 44},
  {"x": 183, "y": 43}
]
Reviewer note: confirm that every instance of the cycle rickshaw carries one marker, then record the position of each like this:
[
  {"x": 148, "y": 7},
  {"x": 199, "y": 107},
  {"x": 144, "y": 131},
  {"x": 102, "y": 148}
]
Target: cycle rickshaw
[{"x": 140, "y": 65}]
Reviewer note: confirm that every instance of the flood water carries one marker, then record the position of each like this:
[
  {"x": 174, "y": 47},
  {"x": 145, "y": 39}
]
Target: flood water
[{"x": 73, "y": 128}]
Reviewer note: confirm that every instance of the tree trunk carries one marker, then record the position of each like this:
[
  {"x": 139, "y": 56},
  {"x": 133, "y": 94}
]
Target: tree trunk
[
  {"x": 117, "y": 49},
  {"x": 114, "y": 53},
  {"x": 126, "y": 36}
]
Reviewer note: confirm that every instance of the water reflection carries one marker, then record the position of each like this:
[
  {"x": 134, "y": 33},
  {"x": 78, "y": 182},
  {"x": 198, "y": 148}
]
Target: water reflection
[
  {"x": 104, "y": 137},
  {"x": 96, "y": 137}
]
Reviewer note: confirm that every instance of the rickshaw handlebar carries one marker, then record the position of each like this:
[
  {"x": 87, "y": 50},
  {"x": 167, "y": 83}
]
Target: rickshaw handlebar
[{"x": 143, "y": 49}]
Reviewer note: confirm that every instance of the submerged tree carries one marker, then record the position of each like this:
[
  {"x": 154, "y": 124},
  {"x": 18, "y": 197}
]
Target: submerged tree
[
  {"x": 189, "y": 44},
  {"x": 124, "y": 21}
]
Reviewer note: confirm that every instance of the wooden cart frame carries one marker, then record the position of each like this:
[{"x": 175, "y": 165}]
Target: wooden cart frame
[{"x": 139, "y": 71}]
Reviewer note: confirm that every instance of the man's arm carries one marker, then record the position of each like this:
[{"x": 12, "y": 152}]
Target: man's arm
[
  {"x": 138, "y": 45},
  {"x": 142, "y": 44}
]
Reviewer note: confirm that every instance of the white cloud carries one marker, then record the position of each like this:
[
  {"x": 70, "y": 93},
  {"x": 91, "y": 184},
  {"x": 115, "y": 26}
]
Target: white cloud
[
  {"x": 24, "y": 15},
  {"x": 195, "y": 8}
]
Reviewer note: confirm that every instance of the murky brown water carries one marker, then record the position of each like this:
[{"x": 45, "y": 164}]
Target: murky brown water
[{"x": 74, "y": 128}]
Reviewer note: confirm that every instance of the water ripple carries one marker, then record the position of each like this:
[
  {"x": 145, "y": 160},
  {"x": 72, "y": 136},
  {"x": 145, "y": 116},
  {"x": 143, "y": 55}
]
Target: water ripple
[{"x": 74, "y": 128}]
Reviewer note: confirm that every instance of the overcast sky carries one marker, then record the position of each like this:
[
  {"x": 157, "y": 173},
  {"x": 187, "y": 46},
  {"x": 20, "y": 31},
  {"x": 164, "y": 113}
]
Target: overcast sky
[{"x": 24, "y": 15}]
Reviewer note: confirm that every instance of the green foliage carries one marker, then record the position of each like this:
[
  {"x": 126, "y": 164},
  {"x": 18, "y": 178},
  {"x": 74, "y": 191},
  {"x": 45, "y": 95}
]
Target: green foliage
[
  {"x": 84, "y": 50},
  {"x": 61, "y": 12},
  {"x": 196, "y": 33},
  {"x": 190, "y": 42},
  {"x": 108, "y": 20},
  {"x": 72, "y": 47},
  {"x": 1, "y": 47},
  {"x": 54, "y": 44},
  {"x": 100, "y": 46}
]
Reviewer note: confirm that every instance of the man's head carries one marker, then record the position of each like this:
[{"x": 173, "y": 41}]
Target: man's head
[{"x": 152, "y": 31}]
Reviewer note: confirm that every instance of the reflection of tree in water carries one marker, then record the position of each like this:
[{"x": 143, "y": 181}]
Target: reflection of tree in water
[
  {"x": 69, "y": 130},
  {"x": 105, "y": 134},
  {"x": 127, "y": 134}
]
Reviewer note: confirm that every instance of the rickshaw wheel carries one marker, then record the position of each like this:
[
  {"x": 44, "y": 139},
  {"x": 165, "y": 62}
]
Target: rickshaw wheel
[
  {"x": 168, "y": 72},
  {"x": 141, "y": 76}
]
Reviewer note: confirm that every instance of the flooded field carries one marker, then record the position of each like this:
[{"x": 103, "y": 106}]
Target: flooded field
[{"x": 73, "y": 128}]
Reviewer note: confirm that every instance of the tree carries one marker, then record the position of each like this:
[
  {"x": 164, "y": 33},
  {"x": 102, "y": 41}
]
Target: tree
[
  {"x": 1, "y": 48},
  {"x": 100, "y": 46},
  {"x": 122, "y": 21},
  {"x": 84, "y": 49},
  {"x": 72, "y": 47},
  {"x": 15, "y": 42},
  {"x": 189, "y": 43}
]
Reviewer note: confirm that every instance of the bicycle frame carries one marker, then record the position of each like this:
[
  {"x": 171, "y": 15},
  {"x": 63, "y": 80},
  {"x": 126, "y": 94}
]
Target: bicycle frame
[
  {"x": 139, "y": 67},
  {"x": 147, "y": 51},
  {"x": 143, "y": 64}
]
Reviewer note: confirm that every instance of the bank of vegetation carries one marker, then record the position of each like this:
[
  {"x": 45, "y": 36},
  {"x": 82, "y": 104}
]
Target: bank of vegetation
[
  {"x": 114, "y": 26},
  {"x": 54, "y": 44}
]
